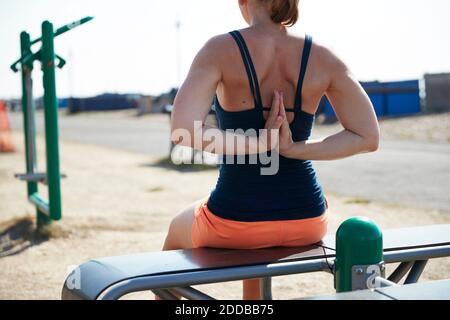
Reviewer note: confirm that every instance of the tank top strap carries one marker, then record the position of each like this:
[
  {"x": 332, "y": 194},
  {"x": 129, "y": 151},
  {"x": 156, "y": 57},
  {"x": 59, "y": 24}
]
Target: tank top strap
[
  {"x": 303, "y": 67},
  {"x": 249, "y": 67}
]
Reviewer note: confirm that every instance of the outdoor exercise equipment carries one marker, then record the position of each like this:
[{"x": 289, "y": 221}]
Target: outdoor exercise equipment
[
  {"x": 51, "y": 209},
  {"x": 174, "y": 272},
  {"x": 364, "y": 240}
]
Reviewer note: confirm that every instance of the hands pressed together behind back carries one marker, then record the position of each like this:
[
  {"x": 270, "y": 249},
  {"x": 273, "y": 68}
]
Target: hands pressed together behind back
[{"x": 278, "y": 133}]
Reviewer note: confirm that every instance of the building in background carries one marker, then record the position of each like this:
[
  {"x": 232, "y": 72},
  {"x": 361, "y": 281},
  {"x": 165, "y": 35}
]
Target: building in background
[
  {"x": 145, "y": 105},
  {"x": 163, "y": 102},
  {"x": 437, "y": 91},
  {"x": 104, "y": 102}
]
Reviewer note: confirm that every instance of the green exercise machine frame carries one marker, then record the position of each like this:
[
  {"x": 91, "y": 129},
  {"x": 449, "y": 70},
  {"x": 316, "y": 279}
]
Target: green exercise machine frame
[{"x": 46, "y": 210}]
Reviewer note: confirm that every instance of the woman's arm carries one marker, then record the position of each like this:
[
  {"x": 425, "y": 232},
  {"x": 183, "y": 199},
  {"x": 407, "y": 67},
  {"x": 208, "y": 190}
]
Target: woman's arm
[
  {"x": 355, "y": 112},
  {"x": 193, "y": 102}
]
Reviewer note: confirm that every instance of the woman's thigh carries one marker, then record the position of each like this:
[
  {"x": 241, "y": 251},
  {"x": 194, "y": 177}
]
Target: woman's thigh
[{"x": 180, "y": 230}]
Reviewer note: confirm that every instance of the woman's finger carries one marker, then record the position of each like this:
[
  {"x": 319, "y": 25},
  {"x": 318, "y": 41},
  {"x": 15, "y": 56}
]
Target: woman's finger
[
  {"x": 276, "y": 104},
  {"x": 273, "y": 110},
  {"x": 278, "y": 122},
  {"x": 282, "y": 108},
  {"x": 273, "y": 133},
  {"x": 285, "y": 126}
]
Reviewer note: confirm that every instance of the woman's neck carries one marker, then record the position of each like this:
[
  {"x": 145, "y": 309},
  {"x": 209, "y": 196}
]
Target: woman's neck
[{"x": 262, "y": 21}]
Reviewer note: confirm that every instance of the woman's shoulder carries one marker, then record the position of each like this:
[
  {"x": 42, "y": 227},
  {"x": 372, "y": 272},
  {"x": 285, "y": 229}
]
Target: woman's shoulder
[
  {"x": 219, "y": 42},
  {"x": 218, "y": 47},
  {"x": 326, "y": 56}
]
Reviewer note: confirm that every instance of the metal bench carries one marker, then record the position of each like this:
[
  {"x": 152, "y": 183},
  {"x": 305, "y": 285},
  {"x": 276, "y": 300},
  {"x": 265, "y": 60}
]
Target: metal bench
[
  {"x": 174, "y": 272},
  {"x": 432, "y": 290}
]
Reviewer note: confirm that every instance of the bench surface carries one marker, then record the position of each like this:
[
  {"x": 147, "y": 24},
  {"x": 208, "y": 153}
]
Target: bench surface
[
  {"x": 432, "y": 290},
  {"x": 98, "y": 274}
]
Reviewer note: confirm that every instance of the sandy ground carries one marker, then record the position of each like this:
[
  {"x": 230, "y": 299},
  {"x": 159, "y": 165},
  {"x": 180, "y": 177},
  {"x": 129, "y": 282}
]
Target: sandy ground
[{"x": 117, "y": 203}]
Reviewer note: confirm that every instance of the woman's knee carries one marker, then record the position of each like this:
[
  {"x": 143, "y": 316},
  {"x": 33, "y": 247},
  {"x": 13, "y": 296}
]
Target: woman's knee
[
  {"x": 172, "y": 238},
  {"x": 179, "y": 234}
]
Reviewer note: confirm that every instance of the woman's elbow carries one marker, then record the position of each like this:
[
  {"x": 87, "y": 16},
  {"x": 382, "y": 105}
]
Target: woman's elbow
[
  {"x": 373, "y": 145},
  {"x": 181, "y": 136},
  {"x": 183, "y": 133},
  {"x": 372, "y": 142}
]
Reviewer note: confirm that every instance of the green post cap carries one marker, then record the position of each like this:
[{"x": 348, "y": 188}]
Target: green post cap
[{"x": 359, "y": 241}]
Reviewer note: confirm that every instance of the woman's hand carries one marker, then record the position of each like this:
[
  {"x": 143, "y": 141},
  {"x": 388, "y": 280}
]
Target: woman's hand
[
  {"x": 268, "y": 139},
  {"x": 285, "y": 136}
]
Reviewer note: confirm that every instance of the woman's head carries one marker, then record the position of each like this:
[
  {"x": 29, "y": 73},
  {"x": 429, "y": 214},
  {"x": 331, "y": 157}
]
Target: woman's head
[{"x": 284, "y": 12}]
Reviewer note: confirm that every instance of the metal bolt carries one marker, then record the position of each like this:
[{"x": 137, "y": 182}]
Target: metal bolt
[{"x": 359, "y": 271}]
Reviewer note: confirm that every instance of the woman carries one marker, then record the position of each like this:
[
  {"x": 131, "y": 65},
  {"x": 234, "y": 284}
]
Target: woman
[{"x": 244, "y": 72}]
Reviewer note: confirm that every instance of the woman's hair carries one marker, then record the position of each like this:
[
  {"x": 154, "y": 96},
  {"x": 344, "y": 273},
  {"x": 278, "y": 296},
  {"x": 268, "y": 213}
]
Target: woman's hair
[{"x": 283, "y": 11}]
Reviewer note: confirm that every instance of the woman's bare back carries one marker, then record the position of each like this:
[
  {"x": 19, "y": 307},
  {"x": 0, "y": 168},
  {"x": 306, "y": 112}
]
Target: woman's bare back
[{"x": 277, "y": 60}]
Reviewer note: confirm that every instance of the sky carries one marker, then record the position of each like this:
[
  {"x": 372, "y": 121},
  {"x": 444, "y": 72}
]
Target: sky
[{"x": 131, "y": 46}]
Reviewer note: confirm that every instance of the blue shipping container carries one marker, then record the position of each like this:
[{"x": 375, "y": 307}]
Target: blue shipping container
[
  {"x": 403, "y": 97},
  {"x": 389, "y": 98}
]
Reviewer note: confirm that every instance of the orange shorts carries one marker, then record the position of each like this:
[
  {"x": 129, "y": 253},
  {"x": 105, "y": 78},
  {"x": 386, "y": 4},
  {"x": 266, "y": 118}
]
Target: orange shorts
[{"x": 209, "y": 230}]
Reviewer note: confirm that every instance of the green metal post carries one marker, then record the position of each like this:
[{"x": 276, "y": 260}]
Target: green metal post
[
  {"x": 51, "y": 121},
  {"x": 28, "y": 111},
  {"x": 359, "y": 242},
  {"x": 29, "y": 123},
  {"x": 66, "y": 28}
]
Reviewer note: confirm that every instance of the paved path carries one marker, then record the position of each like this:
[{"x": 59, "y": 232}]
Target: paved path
[
  {"x": 135, "y": 134},
  {"x": 400, "y": 172}
]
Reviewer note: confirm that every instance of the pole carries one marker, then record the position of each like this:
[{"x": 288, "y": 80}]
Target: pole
[
  {"x": 28, "y": 111},
  {"x": 178, "y": 53},
  {"x": 29, "y": 124},
  {"x": 66, "y": 28},
  {"x": 51, "y": 121}
]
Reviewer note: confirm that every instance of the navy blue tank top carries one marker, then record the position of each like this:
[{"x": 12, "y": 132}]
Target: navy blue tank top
[{"x": 242, "y": 193}]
